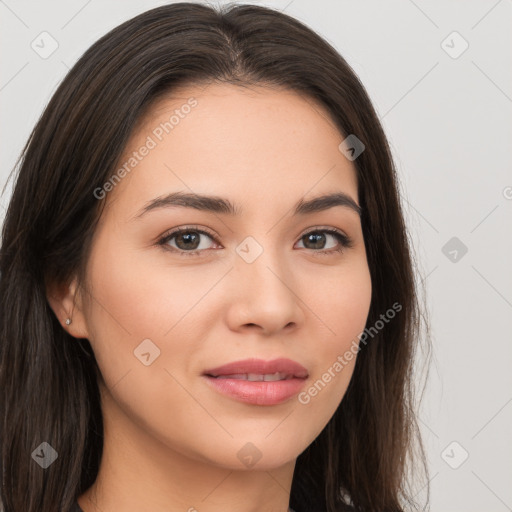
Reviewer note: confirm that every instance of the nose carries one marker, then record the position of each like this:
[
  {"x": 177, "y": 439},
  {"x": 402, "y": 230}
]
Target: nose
[{"x": 264, "y": 296}]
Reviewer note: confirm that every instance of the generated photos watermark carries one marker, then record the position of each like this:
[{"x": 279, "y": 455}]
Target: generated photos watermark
[
  {"x": 342, "y": 360},
  {"x": 157, "y": 135}
]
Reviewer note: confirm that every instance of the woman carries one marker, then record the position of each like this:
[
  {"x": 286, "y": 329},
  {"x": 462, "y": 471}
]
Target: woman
[{"x": 207, "y": 293}]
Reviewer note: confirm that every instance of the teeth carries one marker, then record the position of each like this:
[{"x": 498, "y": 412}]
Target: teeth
[
  {"x": 256, "y": 377},
  {"x": 269, "y": 377}
]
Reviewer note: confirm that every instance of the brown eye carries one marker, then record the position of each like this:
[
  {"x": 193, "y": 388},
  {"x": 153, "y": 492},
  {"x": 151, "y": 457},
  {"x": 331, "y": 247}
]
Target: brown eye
[
  {"x": 186, "y": 241},
  {"x": 317, "y": 239}
]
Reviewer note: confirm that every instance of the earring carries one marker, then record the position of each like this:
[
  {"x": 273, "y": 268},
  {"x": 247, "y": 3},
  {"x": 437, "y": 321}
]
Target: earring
[{"x": 68, "y": 321}]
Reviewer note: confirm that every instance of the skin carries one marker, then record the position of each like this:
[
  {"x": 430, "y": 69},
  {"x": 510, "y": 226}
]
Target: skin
[{"x": 171, "y": 441}]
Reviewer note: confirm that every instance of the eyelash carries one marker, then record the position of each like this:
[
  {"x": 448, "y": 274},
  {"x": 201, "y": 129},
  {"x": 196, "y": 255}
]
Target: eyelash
[{"x": 344, "y": 241}]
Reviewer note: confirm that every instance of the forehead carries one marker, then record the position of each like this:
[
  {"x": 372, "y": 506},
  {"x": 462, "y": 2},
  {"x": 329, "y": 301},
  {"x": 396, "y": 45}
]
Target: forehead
[{"x": 258, "y": 143}]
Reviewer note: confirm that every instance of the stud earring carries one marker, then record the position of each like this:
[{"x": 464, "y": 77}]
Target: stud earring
[{"x": 68, "y": 321}]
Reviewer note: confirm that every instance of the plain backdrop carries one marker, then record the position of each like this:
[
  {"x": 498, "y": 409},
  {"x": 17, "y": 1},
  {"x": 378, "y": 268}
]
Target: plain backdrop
[{"x": 439, "y": 74}]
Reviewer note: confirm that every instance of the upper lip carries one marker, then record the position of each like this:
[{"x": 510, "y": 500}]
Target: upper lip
[{"x": 261, "y": 367}]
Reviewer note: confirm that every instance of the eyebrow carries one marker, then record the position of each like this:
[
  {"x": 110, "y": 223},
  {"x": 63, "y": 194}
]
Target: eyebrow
[{"x": 216, "y": 204}]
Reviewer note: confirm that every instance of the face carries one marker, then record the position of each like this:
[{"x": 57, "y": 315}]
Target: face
[{"x": 267, "y": 281}]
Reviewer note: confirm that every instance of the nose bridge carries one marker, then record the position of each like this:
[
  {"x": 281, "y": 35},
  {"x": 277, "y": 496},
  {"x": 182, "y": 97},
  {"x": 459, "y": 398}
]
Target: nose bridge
[
  {"x": 262, "y": 263},
  {"x": 265, "y": 286}
]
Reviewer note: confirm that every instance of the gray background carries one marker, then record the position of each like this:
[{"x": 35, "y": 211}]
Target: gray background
[{"x": 448, "y": 119}]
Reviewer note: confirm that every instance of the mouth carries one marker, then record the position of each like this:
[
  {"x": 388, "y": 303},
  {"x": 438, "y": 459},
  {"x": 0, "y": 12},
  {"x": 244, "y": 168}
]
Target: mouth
[
  {"x": 255, "y": 377},
  {"x": 258, "y": 382},
  {"x": 253, "y": 369}
]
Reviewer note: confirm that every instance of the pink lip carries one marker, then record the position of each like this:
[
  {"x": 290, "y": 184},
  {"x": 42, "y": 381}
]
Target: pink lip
[
  {"x": 260, "y": 366},
  {"x": 258, "y": 392}
]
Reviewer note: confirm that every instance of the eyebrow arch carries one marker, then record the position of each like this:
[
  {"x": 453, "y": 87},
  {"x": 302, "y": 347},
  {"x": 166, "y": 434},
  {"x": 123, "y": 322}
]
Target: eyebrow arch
[{"x": 217, "y": 204}]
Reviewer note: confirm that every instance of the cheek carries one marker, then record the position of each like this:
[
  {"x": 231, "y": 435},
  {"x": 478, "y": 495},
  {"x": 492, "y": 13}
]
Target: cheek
[
  {"x": 138, "y": 305},
  {"x": 341, "y": 301},
  {"x": 137, "y": 296},
  {"x": 342, "y": 309},
  {"x": 142, "y": 313}
]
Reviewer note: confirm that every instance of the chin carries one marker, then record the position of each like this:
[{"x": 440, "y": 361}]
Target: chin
[{"x": 257, "y": 453}]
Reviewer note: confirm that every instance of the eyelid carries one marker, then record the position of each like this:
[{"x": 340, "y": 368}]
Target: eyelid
[
  {"x": 328, "y": 229},
  {"x": 191, "y": 227}
]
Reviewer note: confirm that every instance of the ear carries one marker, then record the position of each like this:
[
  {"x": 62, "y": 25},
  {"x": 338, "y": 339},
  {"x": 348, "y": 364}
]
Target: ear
[{"x": 66, "y": 301}]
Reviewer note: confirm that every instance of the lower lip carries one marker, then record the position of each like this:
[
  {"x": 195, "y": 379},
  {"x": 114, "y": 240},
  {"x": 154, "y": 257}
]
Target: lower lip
[{"x": 259, "y": 392}]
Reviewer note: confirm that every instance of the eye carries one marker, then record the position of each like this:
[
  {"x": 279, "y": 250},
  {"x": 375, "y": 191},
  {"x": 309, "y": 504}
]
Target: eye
[
  {"x": 319, "y": 236},
  {"x": 187, "y": 241}
]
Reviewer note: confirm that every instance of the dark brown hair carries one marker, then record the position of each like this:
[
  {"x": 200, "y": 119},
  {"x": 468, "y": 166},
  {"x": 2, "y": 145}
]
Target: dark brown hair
[{"x": 48, "y": 379}]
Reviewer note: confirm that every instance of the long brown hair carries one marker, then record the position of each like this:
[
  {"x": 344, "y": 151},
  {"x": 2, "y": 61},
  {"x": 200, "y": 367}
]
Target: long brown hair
[{"x": 48, "y": 379}]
